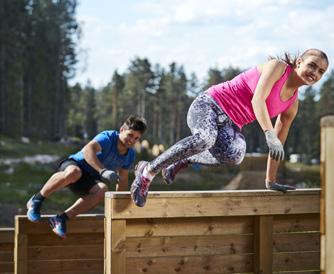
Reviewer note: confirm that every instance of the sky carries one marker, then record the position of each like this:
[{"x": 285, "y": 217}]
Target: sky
[{"x": 197, "y": 34}]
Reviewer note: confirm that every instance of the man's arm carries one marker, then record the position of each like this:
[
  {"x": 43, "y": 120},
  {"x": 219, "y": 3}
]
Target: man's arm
[
  {"x": 123, "y": 180},
  {"x": 89, "y": 151}
]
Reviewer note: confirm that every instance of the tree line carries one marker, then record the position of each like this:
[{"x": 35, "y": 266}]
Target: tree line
[
  {"x": 38, "y": 53},
  {"x": 37, "y": 57},
  {"x": 163, "y": 97}
]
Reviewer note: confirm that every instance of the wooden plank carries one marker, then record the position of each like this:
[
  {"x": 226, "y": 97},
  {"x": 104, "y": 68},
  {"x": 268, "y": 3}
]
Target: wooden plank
[
  {"x": 44, "y": 252},
  {"x": 61, "y": 266},
  {"x": 263, "y": 244},
  {"x": 6, "y": 268},
  {"x": 208, "y": 206},
  {"x": 72, "y": 239},
  {"x": 189, "y": 246},
  {"x": 296, "y": 261},
  {"x": 7, "y": 247},
  {"x": 6, "y": 256},
  {"x": 118, "y": 236},
  {"x": 80, "y": 224},
  {"x": 323, "y": 155},
  {"x": 189, "y": 226},
  {"x": 20, "y": 251},
  {"x": 108, "y": 237},
  {"x": 297, "y": 242},
  {"x": 7, "y": 235},
  {"x": 296, "y": 223},
  {"x": 327, "y": 121},
  {"x": 297, "y": 272},
  {"x": 78, "y": 252},
  {"x": 213, "y": 193},
  {"x": 327, "y": 184},
  {"x": 191, "y": 264}
]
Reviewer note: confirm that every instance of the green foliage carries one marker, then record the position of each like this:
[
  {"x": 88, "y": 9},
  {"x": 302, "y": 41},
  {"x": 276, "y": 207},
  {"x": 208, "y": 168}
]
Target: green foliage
[
  {"x": 15, "y": 148},
  {"x": 37, "y": 45}
]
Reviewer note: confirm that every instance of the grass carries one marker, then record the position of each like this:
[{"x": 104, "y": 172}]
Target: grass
[
  {"x": 15, "y": 148},
  {"x": 19, "y": 181}
]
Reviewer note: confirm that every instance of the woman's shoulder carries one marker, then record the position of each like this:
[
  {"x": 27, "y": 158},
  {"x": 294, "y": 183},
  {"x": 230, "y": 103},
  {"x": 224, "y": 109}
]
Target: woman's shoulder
[{"x": 274, "y": 65}]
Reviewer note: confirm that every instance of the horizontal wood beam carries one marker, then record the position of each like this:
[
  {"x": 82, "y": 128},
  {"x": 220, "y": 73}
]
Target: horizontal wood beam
[{"x": 213, "y": 203}]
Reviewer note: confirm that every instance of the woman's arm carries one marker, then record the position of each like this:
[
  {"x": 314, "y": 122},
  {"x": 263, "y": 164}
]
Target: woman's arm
[
  {"x": 282, "y": 127},
  {"x": 270, "y": 73}
]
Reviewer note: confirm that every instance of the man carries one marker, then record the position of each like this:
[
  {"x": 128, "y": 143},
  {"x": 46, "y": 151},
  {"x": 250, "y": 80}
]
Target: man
[{"x": 107, "y": 158}]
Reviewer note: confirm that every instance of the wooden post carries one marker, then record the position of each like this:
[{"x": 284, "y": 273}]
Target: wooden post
[
  {"x": 20, "y": 249},
  {"x": 115, "y": 236},
  {"x": 263, "y": 244},
  {"x": 6, "y": 250},
  {"x": 326, "y": 197}
]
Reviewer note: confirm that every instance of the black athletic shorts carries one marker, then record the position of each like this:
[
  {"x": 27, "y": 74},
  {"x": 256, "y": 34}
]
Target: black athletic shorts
[{"x": 84, "y": 184}]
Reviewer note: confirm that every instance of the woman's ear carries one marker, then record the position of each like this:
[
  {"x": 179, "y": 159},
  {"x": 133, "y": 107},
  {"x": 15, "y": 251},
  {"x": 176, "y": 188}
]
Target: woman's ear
[{"x": 299, "y": 60}]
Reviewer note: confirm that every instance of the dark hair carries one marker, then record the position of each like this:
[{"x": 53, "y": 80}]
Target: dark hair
[
  {"x": 316, "y": 52},
  {"x": 291, "y": 59},
  {"x": 136, "y": 123}
]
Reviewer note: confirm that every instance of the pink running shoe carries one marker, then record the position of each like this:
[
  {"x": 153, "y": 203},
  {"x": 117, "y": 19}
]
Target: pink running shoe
[
  {"x": 168, "y": 174},
  {"x": 140, "y": 185}
]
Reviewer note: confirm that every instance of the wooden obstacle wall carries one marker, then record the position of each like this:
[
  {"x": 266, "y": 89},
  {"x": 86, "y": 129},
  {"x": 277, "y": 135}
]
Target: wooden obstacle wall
[
  {"x": 213, "y": 232},
  {"x": 327, "y": 201},
  {"x": 6, "y": 250},
  {"x": 39, "y": 250}
]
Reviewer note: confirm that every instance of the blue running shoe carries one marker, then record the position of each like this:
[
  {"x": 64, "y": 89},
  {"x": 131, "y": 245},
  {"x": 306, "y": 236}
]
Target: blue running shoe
[
  {"x": 34, "y": 209},
  {"x": 140, "y": 185},
  {"x": 168, "y": 174},
  {"x": 58, "y": 226},
  {"x": 282, "y": 188}
]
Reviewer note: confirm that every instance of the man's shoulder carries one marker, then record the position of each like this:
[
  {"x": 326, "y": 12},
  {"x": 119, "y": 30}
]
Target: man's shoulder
[{"x": 108, "y": 133}]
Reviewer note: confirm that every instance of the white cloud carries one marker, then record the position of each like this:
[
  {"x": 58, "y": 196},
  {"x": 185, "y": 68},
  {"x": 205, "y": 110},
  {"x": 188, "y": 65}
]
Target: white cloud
[{"x": 201, "y": 34}]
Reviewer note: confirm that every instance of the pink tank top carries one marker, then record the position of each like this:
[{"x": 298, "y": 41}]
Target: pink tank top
[{"x": 235, "y": 96}]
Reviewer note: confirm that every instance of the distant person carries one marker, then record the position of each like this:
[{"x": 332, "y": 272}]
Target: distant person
[
  {"x": 105, "y": 159},
  {"x": 216, "y": 117}
]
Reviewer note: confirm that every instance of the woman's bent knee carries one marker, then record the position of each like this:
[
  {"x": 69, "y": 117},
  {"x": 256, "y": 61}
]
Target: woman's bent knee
[
  {"x": 207, "y": 140},
  {"x": 238, "y": 151}
]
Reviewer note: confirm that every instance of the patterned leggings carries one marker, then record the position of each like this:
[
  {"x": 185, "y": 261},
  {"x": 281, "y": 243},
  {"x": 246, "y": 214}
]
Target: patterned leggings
[{"x": 215, "y": 138}]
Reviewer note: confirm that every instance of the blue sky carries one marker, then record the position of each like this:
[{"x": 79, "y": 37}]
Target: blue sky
[{"x": 197, "y": 34}]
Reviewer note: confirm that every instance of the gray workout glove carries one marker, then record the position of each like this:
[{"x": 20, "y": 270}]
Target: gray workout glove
[
  {"x": 109, "y": 176},
  {"x": 276, "y": 150},
  {"x": 279, "y": 187}
]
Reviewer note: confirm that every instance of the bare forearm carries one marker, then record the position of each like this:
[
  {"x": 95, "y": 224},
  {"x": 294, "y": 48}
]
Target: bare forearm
[
  {"x": 282, "y": 130},
  {"x": 262, "y": 115},
  {"x": 91, "y": 159},
  {"x": 272, "y": 169}
]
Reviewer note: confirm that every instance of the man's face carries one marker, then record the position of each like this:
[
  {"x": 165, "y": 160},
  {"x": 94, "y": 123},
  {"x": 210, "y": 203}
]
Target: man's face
[{"x": 129, "y": 137}]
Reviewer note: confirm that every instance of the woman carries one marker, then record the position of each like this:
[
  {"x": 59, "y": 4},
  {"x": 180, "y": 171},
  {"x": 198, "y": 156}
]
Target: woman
[{"x": 217, "y": 115}]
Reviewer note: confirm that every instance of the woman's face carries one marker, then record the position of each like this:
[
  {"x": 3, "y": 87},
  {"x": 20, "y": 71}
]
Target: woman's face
[{"x": 311, "y": 68}]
